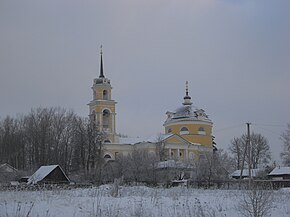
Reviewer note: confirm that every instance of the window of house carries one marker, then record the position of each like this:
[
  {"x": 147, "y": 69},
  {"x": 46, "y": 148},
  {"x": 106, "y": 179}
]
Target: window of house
[{"x": 184, "y": 131}]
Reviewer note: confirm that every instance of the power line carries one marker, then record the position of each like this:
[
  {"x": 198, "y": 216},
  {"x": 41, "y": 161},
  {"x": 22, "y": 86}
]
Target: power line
[
  {"x": 270, "y": 125},
  {"x": 230, "y": 127},
  {"x": 265, "y": 129}
]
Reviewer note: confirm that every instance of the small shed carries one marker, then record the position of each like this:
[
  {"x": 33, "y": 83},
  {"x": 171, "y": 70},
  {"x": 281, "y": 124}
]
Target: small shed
[
  {"x": 280, "y": 173},
  {"x": 6, "y": 168},
  {"x": 7, "y": 173},
  {"x": 52, "y": 174}
]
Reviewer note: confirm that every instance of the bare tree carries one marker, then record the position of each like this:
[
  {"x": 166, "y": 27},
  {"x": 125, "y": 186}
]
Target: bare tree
[
  {"x": 260, "y": 150},
  {"x": 51, "y": 136},
  {"x": 11, "y": 142},
  {"x": 138, "y": 166},
  {"x": 286, "y": 140},
  {"x": 213, "y": 167},
  {"x": 236, "y": 150},
  {"x": 256, "y": 202},
  {"x": 161, "y": 151}
]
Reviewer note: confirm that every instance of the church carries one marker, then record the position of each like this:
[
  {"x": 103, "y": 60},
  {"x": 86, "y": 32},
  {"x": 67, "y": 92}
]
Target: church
[{"x": 187, "y": 130}]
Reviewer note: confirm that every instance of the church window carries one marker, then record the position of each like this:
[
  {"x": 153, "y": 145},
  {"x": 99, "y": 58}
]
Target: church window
[
  {"x": 107, "y": 156},
  {"x": 169, "y": 130},
  {"x": 106, "y": 118},
  {"x": 201, "y": 131},
  {"x": 184, "y": 131},
  {"x": 105, "y": 95},
  {"x": 107, "y": 141}
]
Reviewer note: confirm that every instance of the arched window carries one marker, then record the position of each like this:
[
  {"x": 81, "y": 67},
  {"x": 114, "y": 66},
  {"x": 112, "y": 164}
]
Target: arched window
[
  {"x": 106, "y": 118},
  {"x": 107, "y": 141},
  {"x": 107, "y": 156},
  {"x": 169, "y": 130},
  {"x": 105, "y": 95},
  {"x": 184, "y": 131},
  {"x": 201, "y": 131}
]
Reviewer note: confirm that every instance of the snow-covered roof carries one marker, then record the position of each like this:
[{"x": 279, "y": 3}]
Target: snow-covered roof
[
  {"x": 254, "y": 173},
  {"x": 42, "y": 172},
  {"x": 187, "y": 112},
  {"x": 280, "y": 171},
  {"x": 7, "y": 168},
  {"x": 150, "y": 139}
]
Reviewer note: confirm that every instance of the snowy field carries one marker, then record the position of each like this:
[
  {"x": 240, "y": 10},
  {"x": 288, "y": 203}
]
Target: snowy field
[{"x": 132, "y": 201}]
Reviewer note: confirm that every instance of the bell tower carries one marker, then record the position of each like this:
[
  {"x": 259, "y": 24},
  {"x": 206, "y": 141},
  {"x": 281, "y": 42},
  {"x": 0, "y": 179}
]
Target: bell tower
[{"x": 102, "y": 107}]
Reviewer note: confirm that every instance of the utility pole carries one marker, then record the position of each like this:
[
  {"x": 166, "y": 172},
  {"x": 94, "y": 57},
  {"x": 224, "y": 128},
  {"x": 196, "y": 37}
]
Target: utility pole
[{"x": 249, "y": 151}]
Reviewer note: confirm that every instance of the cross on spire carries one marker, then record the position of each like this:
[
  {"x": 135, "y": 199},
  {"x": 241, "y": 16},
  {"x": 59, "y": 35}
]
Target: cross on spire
[
  {"x": 187, "y": 98},
  {"x": 101, "y": 64}
]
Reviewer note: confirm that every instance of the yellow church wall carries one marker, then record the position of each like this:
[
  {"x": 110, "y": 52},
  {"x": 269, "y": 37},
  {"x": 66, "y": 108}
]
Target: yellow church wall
[
  {"x": 193, "y": 134},
  {"x": 192, "y": 128},
  {"x": 100, "y": 108},
  {"x": 99, "y": 92},
  {"x": 173, "y": 140},
  {"x": 203, "y": 140}
]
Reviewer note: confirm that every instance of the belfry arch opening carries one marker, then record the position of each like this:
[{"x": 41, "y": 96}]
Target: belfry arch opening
[
  {"x": 105, "y": 95},
  {"x": 106, "y": 118}
]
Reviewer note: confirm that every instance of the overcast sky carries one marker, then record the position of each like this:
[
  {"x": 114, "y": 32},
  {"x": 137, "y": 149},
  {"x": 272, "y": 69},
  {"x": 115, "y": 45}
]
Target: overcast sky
[{"x": 234, "y": 53}]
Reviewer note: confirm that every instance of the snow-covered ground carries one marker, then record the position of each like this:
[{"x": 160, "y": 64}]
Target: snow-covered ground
[{"x": 131, "y": 201}]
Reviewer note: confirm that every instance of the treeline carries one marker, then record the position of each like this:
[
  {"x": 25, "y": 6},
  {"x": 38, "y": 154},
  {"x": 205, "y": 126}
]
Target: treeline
[{"x": 48, "y": 136}]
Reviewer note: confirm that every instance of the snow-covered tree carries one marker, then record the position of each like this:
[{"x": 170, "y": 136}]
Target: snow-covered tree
[
  {"x": 260, "y": 150},
  {"x": 285, "y": 155}
]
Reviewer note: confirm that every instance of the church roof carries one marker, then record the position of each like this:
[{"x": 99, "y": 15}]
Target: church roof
[
  {"x": 149, "y": 139},
  {"x": 187, "y": 112}
]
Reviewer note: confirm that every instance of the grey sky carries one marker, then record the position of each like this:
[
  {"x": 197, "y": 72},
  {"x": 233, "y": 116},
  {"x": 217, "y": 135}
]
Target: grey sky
[{"x": 234, "y": 53}]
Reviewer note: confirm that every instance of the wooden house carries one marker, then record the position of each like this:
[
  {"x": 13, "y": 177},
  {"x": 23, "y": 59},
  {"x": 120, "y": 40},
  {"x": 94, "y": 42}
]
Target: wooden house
[{"x": 280, "y": 173}]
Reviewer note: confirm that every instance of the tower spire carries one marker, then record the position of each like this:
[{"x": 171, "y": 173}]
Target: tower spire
[
  {"x": 186, "y": 88},
  {"x": 101, "y": 64},
  {"x": 187, "y": 98}
]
